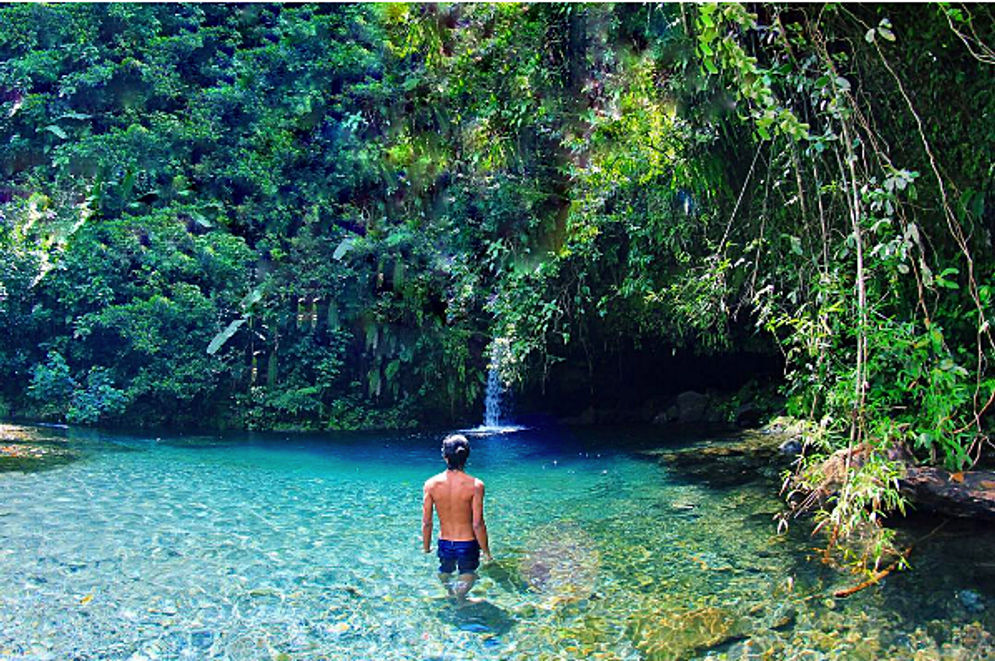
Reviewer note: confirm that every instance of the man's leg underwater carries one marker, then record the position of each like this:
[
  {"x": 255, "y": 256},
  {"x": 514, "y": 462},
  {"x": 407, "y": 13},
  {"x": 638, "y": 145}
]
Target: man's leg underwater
[
  {"x": 447, "y": 582},
  {"x": 463, "y": 585},
  {"x": 447, "y": 565}
]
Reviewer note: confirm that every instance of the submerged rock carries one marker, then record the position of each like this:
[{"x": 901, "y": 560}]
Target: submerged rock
[
  {"x": 562, "y": 563},
  {"x": 200, "y": 442},
  {"x": 28, "y": 434},
  {"x": 745, "y": 458},
  {"x": 783, "y": 618},
  {"x": 972, "y": 641},
  {"x": 680, "y": 635},
  {"x": 26, "y": 448},
  {"x": 971, "y": 600},
  {"x": 758, "y": 647}
]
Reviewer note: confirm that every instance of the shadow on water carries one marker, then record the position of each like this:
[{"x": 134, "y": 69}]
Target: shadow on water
[
  {"x": 480, "y": 617},
  {"x": 952, "y": 571}
]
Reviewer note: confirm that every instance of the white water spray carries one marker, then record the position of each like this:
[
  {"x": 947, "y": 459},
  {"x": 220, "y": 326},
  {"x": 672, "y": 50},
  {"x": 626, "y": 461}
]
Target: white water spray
[
  {"x": 495, "y": 388},
  {"x": 494, "y": 413}
]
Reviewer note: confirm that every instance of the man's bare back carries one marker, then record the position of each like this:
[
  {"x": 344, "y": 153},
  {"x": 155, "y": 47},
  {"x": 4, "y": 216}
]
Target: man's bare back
[{"x": 458, "y": 500}]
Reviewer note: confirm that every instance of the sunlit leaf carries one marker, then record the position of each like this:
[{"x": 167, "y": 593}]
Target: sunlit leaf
[
  {"x": 225, "y": 335},
  {"x": 343, "y": 248},
  {"x": 886, "y": 34}
]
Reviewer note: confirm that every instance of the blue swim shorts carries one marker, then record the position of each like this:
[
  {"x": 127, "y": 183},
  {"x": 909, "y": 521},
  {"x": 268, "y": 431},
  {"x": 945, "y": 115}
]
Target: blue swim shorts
[{"x": 465, "y": 555}]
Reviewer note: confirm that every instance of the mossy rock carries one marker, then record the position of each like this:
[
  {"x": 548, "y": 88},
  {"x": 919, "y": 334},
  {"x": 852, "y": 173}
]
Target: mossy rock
[
  {"x": 14, "y": 434},
  {"x": 28, "y": 457},
  {"x": 25, "y": 448},
  {"x": 680, "y": 635}
]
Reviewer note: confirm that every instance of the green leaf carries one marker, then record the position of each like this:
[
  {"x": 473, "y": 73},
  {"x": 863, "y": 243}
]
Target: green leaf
[
  {"x": 912, "y": 232},
  {"x": 886, "y": 34},
  {"x": 200, "y": 219},
  {"x": 375, "y": 382},
  {"x": 225, "y": 335},
  {"x": 941, "y": 279},
  {"x": 392, "y": 369},
  {"x": 271, "y": 369},
  {"x": 344, "y": 247},
  {"x": 252, "y": 297},
  {"x": 57, "y": 131},
  {"x": 705, "y": 15}
]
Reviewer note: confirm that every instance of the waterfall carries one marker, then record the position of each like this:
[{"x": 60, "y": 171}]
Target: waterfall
[
  {"x": 494, "y": 416},
  {"x": 492, "y": 399}
]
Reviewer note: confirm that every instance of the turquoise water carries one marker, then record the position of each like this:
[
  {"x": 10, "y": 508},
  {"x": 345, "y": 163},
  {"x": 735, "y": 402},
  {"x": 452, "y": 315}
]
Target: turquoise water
[{"x": 308, "y": 547}]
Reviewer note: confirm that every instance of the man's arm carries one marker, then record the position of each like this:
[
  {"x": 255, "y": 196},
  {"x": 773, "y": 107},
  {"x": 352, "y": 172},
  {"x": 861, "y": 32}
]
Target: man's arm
[
  {"x": 426, "y": 520},
  {"x": 479, "y": 527}
]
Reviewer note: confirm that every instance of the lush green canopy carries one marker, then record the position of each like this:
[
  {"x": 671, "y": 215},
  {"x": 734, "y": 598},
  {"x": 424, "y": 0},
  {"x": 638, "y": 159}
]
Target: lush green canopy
[{"x": 319, "y": 216}]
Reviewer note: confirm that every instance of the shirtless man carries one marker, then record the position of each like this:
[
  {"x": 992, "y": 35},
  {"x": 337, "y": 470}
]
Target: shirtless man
[{"x": 458, "y": 499}]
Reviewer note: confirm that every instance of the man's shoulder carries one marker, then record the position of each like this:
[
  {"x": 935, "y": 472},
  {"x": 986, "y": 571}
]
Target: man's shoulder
[{"x": 435, "y": 479}]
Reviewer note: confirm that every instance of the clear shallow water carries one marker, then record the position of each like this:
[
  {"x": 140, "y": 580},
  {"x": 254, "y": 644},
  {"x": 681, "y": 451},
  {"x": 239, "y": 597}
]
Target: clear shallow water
[{"x": 302, "y": 547}]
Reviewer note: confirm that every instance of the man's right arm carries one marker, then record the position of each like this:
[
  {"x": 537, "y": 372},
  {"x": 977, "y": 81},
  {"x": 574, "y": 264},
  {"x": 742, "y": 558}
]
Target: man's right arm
[
  {"x": 479, "y": 527},
  {"x": 426, "y": 520}
]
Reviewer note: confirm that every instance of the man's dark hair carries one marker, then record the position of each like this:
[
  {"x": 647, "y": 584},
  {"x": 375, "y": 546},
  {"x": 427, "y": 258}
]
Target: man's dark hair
[{"x": 455, "y": 450}]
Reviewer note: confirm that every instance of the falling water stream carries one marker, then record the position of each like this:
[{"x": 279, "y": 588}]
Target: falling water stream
[
  {"x": 494, "y": 414},
  {"x": 492, "y": 399}
]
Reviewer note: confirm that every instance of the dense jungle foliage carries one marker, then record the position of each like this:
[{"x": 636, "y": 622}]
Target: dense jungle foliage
[{"x": 302, "y": 216}]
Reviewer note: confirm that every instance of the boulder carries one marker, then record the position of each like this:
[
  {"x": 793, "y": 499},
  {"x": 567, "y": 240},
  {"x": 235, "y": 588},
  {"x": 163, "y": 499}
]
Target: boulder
[
  {"x": 667, "y": 416},
  {"x": 964, "y": 494},
  {"x": 971, "y": 600},
  {"x": 691, "y": 406},
  {"x": 747, "y": 415}
]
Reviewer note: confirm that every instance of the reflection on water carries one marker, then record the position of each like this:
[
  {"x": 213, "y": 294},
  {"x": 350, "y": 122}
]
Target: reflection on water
[{"x": 297, "y": 546}]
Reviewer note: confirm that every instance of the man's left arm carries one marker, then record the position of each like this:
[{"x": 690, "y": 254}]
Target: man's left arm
[
  {"x": 479, "y": 527},
  {"x": 426, "y": 521}
]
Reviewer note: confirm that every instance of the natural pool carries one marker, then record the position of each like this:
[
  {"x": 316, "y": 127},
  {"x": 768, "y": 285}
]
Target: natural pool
[{"x": 308, "y": 547}]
